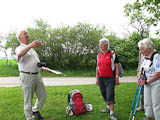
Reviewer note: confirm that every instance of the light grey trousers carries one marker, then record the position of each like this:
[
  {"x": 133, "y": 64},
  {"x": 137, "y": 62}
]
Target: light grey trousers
[
  {"x": 32, "y": 83},
  {"x": 152, "y": 101},
  {"x": 142, "y": 98}
]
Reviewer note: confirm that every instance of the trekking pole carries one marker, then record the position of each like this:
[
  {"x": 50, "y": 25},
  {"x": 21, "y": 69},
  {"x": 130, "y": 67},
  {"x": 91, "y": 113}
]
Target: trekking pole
[
  {"x": 134, "y": 102},
  {"x": 137, "y": 102}
]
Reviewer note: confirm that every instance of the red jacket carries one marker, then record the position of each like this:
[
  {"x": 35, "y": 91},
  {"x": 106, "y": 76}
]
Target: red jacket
[{"x": 104, "y": 65}]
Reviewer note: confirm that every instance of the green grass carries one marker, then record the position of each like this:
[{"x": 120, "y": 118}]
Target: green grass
[
  {"x": 8, "y": 70},
  {"x": 11, "y": 103},
  {"x": 12, "y": 70}
]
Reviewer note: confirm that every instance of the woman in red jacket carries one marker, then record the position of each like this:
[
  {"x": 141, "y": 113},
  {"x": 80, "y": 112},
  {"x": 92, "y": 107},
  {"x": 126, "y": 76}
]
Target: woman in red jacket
[{"x": 107, "y": 75}]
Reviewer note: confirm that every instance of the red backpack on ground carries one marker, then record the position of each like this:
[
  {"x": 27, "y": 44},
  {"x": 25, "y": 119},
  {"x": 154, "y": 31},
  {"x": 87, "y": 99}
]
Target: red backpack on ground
[{"x": 75, "y": 103}]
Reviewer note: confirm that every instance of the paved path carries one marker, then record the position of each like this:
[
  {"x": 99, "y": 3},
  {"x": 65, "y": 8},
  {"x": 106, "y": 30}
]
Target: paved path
[{"x": 60, "y": 81}]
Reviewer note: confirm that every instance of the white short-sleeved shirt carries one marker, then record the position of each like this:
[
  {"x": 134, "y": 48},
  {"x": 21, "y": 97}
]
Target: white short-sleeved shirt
[
  {"x": 28, "y": 63},
  {"x": 155, "y": 67}
]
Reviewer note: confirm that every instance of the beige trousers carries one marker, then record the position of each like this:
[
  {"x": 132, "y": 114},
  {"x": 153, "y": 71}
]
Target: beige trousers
[
  {"x": 152, "y": 101},
  {"x": 32, "y": 83}
]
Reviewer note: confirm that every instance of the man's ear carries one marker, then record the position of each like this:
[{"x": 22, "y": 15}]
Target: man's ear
[{"x": 19, "y": 38}]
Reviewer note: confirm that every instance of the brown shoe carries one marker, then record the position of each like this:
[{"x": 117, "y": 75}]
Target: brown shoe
[{"x": 139, "y": 109}]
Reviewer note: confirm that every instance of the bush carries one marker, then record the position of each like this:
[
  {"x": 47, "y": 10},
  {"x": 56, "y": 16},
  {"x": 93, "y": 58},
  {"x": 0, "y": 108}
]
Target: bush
[{"x": 76, "y": 47}]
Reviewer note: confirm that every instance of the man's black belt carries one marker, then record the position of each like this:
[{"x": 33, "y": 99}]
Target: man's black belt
[{"x": 29, "y": 72}]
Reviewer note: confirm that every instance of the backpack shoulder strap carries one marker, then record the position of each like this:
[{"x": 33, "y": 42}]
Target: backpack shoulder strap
[
  {"x": 151, "y": 59},
  {"x": 98, "y": 56},
  {"x": 152, "y": 56},
  {"x": 113, "y": 55}
]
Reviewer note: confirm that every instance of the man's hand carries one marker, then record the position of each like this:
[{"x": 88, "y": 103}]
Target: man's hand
[{"x": 35, "y": 43}]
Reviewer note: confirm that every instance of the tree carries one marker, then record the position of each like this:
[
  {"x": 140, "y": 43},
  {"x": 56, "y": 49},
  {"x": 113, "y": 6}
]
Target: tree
[
  {"x": 126, "y": 49},
  {"x": 64, "y": 47},
  {"x": 3, "y": 48},
  {"x": 76, "y": 47},
  {"x": 146, "y": 12},
  {"x": 11, "y": 41}
]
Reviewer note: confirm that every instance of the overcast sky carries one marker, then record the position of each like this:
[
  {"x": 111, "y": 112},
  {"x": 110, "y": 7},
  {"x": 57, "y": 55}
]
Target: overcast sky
[{"x": 18, "y": 14}]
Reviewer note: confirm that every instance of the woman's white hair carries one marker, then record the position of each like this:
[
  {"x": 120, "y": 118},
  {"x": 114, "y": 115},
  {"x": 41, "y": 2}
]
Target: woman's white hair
[
  {"x": 145, "y": 43},
  {"x": 105, "y": 41}
]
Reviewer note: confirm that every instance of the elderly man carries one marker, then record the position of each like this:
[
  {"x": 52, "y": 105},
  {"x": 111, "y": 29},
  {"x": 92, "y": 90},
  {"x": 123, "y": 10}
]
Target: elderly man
[{"x": 30, "y": 78}]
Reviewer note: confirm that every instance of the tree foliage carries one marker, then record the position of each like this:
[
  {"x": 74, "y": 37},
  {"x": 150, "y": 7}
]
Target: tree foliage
[
  {"x": 146, "y": 12},
  {"x": 74, "y": 47},
  {"x": 3, "y": 48},
  {"x": 64, "y": 47}
]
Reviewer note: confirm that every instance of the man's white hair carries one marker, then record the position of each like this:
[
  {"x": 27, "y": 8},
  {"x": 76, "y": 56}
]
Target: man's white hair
[
  {"x": 19, "y": 33},
  {"x": 105, "y": 41},
  {"x": 145, "y": 43}
]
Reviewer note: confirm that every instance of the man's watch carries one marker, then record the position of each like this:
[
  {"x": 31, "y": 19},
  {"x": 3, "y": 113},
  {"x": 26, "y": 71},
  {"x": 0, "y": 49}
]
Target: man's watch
[{"x": 117, "y": 76}]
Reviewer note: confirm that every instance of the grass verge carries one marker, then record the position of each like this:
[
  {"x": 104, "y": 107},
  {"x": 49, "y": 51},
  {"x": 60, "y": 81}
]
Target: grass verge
[
  {"x": 12, "y": 70},
  {"x": 11, "y": 103}
]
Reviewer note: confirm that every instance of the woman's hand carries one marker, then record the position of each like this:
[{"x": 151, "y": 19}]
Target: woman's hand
[
  {"x": 117, "y": 81},
  {"x": 97, "y": 82},
  {"x": 142, "y": 82},
  {"x": 138, "y": 81}
]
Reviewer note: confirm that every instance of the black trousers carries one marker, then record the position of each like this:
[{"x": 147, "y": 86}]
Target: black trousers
[{"x": 107, "y": 85}]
